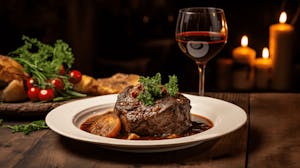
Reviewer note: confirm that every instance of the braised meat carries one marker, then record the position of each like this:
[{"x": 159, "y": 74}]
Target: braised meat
[{"x": 168, "y": 115}]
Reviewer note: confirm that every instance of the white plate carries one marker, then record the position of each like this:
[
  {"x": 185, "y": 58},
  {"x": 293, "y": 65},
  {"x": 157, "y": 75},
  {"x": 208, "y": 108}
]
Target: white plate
[{"x": 66, "y": 119}]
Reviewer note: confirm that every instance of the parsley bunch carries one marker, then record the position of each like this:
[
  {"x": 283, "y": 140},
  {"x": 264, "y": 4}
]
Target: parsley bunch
[
  {"x": 44, "y": 62},
  {"x": 154, "y": 89}
]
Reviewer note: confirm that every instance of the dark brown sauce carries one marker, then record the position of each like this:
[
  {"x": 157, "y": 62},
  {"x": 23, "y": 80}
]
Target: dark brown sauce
[{"x": 199, "y": 125}]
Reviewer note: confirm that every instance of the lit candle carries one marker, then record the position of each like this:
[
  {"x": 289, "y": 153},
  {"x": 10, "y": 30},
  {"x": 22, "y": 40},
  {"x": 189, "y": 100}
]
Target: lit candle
[
  {"x": 263, "y": 67},
  {"x": 243, "y": 72},
  {"x": 281, "y": 38},
  {"x": 244, "y": 54}
]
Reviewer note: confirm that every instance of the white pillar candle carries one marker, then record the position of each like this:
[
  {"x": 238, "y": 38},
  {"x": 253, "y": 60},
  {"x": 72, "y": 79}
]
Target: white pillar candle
[
  {"x": 263, "y": 67},
  {"x": 281, "y": 37}
]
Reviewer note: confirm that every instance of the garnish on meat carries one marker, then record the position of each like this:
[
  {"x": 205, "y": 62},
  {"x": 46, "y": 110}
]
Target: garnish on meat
[{"x": 151, "y": 88}]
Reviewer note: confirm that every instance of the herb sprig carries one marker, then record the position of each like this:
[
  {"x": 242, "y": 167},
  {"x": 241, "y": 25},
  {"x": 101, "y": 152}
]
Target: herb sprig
[
  {"x": 28, "y": 128},
  {"x": 44, "y": 62},
  {"x": 154, "y": 89}
]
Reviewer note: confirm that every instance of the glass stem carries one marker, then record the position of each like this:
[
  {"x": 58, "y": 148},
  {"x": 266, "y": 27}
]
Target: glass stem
[{"x": 201, "y": 69}]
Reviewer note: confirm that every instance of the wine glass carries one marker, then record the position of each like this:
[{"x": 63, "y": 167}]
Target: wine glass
[{"x": 201, "y": 33}]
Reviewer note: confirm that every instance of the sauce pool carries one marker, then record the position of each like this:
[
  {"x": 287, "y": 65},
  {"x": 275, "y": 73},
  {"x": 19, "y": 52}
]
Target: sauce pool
[{"x": 199, "y": 124}]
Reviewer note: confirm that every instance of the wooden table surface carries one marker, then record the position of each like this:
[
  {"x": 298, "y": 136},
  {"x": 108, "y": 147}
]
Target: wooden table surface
[{"x": 270, "y": 138}]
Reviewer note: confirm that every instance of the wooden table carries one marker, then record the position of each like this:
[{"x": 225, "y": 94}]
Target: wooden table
[{"x": 270, "y": 138}]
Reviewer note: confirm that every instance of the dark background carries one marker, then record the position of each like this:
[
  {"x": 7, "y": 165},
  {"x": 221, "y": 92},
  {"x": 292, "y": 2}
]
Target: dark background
[{"x": 137, "y": 36}]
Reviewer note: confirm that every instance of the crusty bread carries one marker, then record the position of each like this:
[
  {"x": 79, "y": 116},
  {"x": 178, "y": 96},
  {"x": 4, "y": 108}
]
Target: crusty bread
[
  {"x": 116, "y": 83},
  {"x": 12, "y": 75},
  {"x": 109, "y": 85},
  {"x": 87, "y": 85},
  {"x": 14, "y": 92},
  {"x": 11, "y": 70}
]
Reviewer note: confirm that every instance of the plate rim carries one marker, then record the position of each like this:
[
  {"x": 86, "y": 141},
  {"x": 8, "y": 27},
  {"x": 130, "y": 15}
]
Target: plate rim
[{"x": 138, "y": 145}]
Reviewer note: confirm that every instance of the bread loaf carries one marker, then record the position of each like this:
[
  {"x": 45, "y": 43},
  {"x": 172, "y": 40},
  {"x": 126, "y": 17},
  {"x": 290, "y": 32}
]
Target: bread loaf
[
  {"x": 12, "y": 76},
  {"x": 116, "y": 83},
  {"x": 102, "y": 86}
]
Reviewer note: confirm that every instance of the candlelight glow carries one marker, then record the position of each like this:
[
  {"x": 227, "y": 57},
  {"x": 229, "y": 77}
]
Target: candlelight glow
[
  {"x": 283, "y": 17},
  {"x": 265, "y": 53},
  {"x": 244, "y": 41},
  {"x": 224, "y": 27}
]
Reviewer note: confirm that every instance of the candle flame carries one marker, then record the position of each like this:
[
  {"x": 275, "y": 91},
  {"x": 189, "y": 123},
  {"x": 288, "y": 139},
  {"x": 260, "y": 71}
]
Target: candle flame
[
  {"x": 283, "y": 17},
  {"x": 244, "y": 41},
  {"x": 265, "y": 53}
]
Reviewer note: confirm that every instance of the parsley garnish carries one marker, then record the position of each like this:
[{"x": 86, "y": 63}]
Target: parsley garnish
[
  {"x": 172, "y": 86},
  {"x": 28, "y": 128},
  {"x": 153, "y": 88}
]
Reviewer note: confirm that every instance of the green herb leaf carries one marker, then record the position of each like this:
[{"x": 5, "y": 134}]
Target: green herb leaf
[
  {"x": 172, "y": 86},
  {"x": 28, "y": 128},
  {"x": 1, "y": 121},
  {"x": 153, "y": 88}
]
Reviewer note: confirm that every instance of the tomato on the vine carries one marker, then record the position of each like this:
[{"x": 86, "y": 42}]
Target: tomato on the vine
[
  {"x": 75, "y": 76},
  {"x": 57, "y": 84},
  {"x": 46, "y": 94},
  {"x": 30, "y": 82},
  {"x": 33, "y": 93}
]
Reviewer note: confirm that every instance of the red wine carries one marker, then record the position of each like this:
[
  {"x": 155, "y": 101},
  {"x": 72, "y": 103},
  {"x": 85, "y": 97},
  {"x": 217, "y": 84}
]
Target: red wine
[{"x": 201, "y": 46}]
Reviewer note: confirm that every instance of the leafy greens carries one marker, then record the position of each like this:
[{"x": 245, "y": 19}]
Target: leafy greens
[{"x": 41, "y": 59}]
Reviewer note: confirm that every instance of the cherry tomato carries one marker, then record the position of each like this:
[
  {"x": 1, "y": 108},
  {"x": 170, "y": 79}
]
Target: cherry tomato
[
  {"x": 57, "y": 84},
  {"x": 134, "y": 94},
  {"x": 30, "y": 82},
  {"x": 46, "y": 94},
  {"x": 33, "y": 93},
  {"x": 75, "y": 76}
]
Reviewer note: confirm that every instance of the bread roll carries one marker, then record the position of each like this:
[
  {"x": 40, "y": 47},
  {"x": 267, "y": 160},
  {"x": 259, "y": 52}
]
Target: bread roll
[
  {"x": 14, "y": 92},
  {"x": 12, "y": 75},
  {"x": 11, "y": 70}
]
